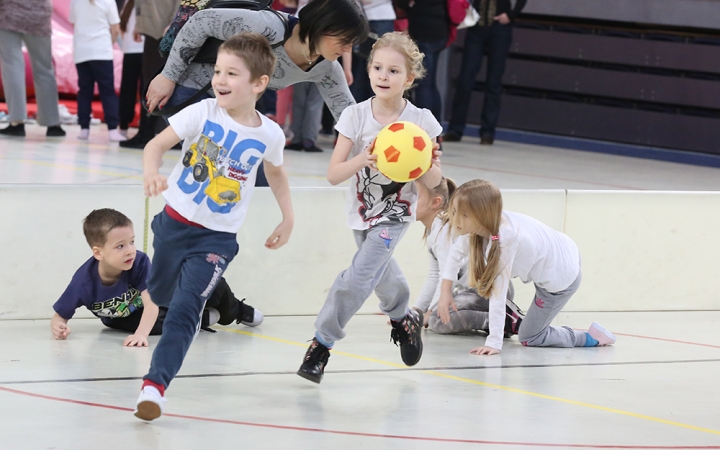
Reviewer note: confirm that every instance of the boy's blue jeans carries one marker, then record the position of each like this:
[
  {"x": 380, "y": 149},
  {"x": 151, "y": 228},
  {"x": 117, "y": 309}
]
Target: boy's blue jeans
[{"x": 187, "y": 265}]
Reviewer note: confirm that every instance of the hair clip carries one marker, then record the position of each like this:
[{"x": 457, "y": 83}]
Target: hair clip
[{"x": 495, "y": 238}]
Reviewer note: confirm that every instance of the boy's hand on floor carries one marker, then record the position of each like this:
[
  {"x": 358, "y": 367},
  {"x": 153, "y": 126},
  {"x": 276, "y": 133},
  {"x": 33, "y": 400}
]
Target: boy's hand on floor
[
  {"x": 60, "y": 331},
  {"x": 136, "y": 341}
]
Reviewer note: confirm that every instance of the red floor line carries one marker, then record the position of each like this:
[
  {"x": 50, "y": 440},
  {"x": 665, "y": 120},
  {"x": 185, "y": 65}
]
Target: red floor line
[
  {"x": 667, "y": 340},
  {"x": 360, "y": 434}
]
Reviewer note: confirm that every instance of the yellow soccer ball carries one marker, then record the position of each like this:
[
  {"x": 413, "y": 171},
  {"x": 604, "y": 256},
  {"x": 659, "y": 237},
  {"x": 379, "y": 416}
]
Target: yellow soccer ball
[{"x": 404, "y": 151}]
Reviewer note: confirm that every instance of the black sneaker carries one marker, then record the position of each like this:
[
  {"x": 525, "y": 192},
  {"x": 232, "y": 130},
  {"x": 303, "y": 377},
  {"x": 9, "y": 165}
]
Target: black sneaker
[
  {"x": 297, "y": 146},
  {"x": 451, "y": 136},
  {"x": 14, "y": 130},
  {"x": 55, "y": 131},
  {"x": 137, "y": 142},
  {"x": 513, "y": 318},
  {"x": 316, "y": 358},
  {"x": 407, "y": 333},
  {"x": 487, "y": 140},
  {"x": 249, "y": 316},
  {"x": 312, "y": 149}
]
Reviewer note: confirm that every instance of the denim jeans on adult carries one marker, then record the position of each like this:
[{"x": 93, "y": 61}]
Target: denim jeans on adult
[
  {"x": 426, "y": 92},
  {"x": 100, "y": 72},
  {"x": 182, "y": 94},
  {"x": 494, "y": 41},
  {"x": 187, "y": 265},
  {"x": 361, "y": 88}
]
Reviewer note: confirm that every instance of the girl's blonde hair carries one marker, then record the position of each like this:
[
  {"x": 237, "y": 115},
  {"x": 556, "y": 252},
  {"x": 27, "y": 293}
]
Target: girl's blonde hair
[
  {"x": 444, "y": 190},
  {"x": 402, "y": 44},
  {"x": 482, "y": 202}
]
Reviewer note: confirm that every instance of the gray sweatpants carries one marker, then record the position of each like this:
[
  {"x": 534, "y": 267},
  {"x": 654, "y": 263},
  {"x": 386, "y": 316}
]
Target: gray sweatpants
[
  {"x": 535, "y": 330},
  {"x": 307, "y": 107},
  {"x": 12, "y": 65},
  {"x": 373, "y": 269},
  {"x": 472, "y": 313}
]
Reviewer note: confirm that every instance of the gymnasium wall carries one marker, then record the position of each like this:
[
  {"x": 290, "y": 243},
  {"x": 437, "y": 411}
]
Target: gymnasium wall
[{"x": 640, "y": 250}]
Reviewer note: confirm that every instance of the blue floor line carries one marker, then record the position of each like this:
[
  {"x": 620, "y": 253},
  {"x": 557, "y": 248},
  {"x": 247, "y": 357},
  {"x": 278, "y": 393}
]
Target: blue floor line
[{"x": 612, "y": 148}]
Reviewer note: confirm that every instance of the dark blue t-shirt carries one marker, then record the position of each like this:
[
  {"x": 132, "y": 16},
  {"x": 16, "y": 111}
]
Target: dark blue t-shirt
[{"x": 119, "y": 300}]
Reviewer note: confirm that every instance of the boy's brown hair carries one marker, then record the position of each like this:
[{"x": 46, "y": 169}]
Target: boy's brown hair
[
  {"x": 100, "y": 222},
  {"x": 254, "y": 50}
]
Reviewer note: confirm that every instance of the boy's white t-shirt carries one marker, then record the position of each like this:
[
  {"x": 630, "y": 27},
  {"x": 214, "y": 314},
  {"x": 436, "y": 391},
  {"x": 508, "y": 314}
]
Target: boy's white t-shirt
[
  {"x": 217, "y": 196},
  {"x": 372, "y": 197},
  {"x": 529, "y": 250},
  {"x": 91, "y": 35}
]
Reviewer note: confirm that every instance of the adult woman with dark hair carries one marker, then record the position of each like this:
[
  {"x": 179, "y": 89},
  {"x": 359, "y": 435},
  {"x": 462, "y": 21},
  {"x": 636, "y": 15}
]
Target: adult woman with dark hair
[{"x": 312, "y": 43}]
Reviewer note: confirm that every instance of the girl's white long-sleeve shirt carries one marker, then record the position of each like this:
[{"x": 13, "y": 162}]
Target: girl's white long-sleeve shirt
[
  {"x": 529, "y": 250},
  {"x": 439, "y": 241}
]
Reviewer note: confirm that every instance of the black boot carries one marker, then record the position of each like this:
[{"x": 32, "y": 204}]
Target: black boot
[
  {"x": 407, "y": 333},
  {"x": 55, "y": 131},
  {"x": 316, "y": 359},
  {"x": 14, "y": 130}
]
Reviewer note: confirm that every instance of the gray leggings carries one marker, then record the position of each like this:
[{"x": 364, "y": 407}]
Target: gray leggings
[
  {"x": 535, "y": 330},
  {"x": 373, "y": 269},
  {"x": 472, "y": 313},
  {"x": 12, "y": 62}
]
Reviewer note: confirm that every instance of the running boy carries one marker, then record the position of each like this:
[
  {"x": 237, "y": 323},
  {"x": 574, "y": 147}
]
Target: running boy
[{"x": 207, "y": 195}]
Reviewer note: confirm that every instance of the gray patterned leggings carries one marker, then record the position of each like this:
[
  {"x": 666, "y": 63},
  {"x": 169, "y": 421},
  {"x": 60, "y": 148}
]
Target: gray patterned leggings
[{"x": 472, "y": 313}]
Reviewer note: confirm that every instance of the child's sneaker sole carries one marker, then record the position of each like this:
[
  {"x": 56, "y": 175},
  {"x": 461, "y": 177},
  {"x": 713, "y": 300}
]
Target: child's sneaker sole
[
  {"x": 147, "y": 410},
  {"x": 309, "y": 377},
  {"x": 600, "y": 334}
]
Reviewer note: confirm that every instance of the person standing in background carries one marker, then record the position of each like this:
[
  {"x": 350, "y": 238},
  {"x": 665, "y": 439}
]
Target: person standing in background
[
  {"x": 96, "y": 26},
  {"x": 132, "y": 46},
  {"x": 152, "y": 19},
  {"x": 494, "y": 33},
  {"x": 429, "y": 27},
  {"x": 28, "y": 22},
  {"x": 380, "y": 15}
]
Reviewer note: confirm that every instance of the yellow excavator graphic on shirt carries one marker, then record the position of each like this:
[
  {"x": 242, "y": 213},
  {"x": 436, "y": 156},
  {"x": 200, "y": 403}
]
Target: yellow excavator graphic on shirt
[{"x": 202, "y": 156}]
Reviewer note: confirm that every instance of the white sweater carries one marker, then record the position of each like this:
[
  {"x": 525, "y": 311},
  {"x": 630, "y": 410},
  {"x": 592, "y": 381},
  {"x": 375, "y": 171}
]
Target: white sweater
[
  {"x": 439, "y": 242},
  {"x": 530, "y": 250}
]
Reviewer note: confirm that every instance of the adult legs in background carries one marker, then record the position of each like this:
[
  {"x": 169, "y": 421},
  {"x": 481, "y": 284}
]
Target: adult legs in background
[
  {"x": 46, "y": 90},
  {"x": 152, "y": 62},
  {"x": 471, "y": 63},
  {"x": 497, "y": 51},
  {"x": 306, "y": 113},
  {"x": 426, "y": 92},
  {"x": 283, "y": 106},
  {"x": 129, "y": 88},
  {"x": 12, "y": 65}
]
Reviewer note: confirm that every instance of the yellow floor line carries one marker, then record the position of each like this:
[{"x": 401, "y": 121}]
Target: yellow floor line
[{"x": 490, "y": 385}]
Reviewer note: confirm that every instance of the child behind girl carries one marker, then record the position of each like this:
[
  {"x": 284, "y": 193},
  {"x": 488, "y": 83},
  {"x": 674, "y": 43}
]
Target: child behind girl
[
  {"x": 379, "y": 210},
  {"x": 502, "y": 245},
  {"x": 96, "y": 25},
  {"x": 472, "y": 313}
]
